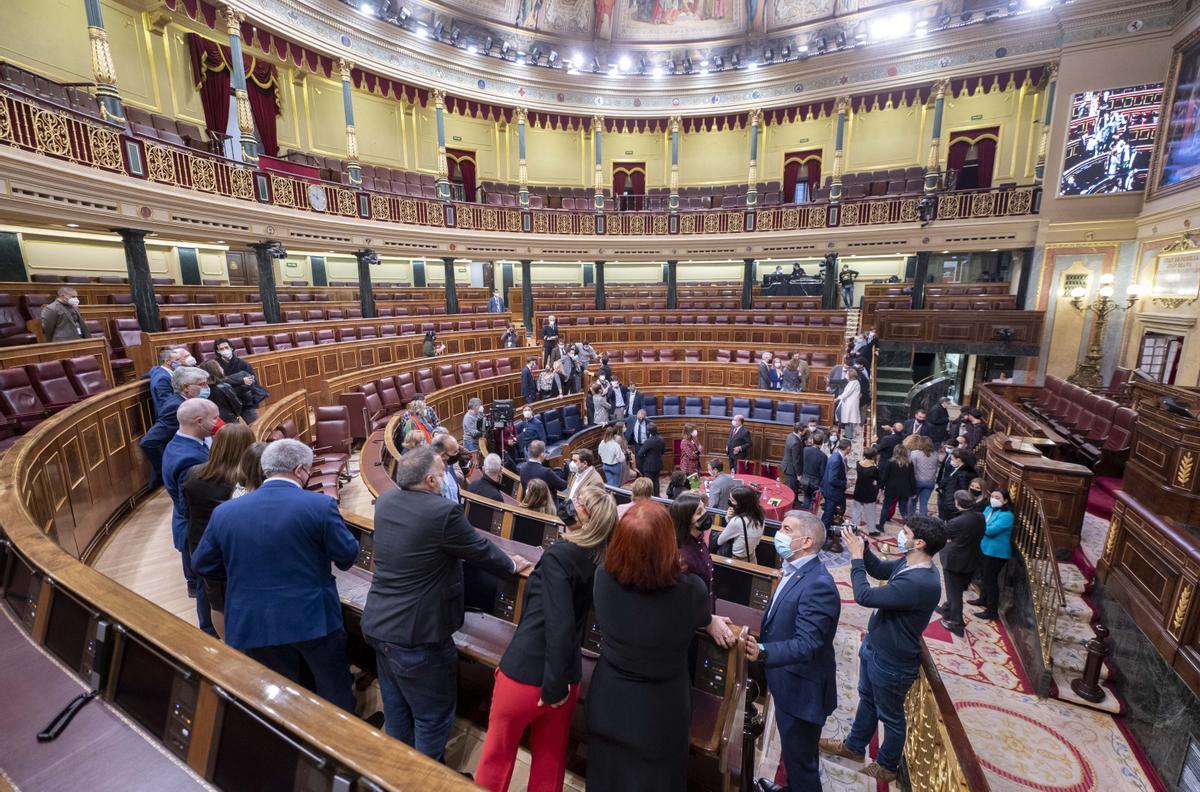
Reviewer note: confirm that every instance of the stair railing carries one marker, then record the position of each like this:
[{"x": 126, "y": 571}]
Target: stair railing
[
  {"x": 871, "y": 413},
  {"x": 1031, "y": 537}
]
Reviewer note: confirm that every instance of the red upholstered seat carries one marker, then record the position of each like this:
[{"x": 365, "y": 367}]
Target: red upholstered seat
[
  {"x": 465, "y": 373},
  {"x": 50, "y": 382},
  {"x": 444, "y": 376},
  {"x": 280, "y": 341},
  {"x": 233, "y": 319},
  {"x": 85, "y": 375},
  {"x": 425, "y": 382},
  {"x": 304, "y": 338},
  {"x": 258, "y": 344},
  {"x": 325, "y": 337},
  {"x": 347, "y": 334},
  {"x": 19, "y": 402}
]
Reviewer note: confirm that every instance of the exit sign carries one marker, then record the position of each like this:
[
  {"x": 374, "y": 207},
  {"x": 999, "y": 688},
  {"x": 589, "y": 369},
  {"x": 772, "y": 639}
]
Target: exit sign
[
  {"x": 802, "y": 140},
  {"x": 973, "y": 118},
  {"x": 629, "y": 153},
  {"x": 458, "y": 139}
]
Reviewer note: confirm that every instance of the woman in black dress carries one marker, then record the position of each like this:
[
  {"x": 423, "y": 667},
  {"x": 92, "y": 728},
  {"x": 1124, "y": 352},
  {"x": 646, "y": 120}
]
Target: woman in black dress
[
  {"x": 208, "y": 485},
  {"x": 639, "y": 703}
]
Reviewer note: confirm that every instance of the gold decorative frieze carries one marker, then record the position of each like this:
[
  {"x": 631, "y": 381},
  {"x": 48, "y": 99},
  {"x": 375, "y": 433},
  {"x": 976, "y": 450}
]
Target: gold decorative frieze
[
  {"x": 102, "y": 62},
  {"x": 380, "y": 210},
  {"x": 204, "y": 174},
  {"x": 1181, "y": 607},
  {"x": 106, "y": 148},
  {"x": 50, "y": 133},
  {"x": 241, "y": 181},
  {"x": 541, "y": 222},
  {"x": 160, "y": 164},
  {"x": 850, "y": 214},
  {"x": 818, "y": 216},
  {"x": 346, "y": 205},
  {"x": 1187, "y": 466},
  {"x": 408, "y": 210},
  {"x": 947, "y": 207},
  {"x": 1110, "y": 541},
  {"x": 282, "y": 193},
  {"x": 878, "y": 212},
  {"x": 1020, "y": 201},
  {"x": 6, "y": 130},
  {"x": 983, "y": 204},
  {"x": 466, "y": 217}
]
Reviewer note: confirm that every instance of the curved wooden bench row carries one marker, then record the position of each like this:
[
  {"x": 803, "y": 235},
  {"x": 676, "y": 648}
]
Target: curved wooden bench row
[
  {"x": 100, "y": 293},
  {"x": 1018, "y": 332},
  {"x": 61, "y": 487},
  {"x": 712, "y": 303},
  {"x": 663, "y": 327},
  {"x": 26, "y": 354},
  {"x": 936, "y": 289},
  {"x": 952, "y": 302}
]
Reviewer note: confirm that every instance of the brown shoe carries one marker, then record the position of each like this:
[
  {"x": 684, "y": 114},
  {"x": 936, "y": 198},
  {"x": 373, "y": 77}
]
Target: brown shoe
[
  {"x": 882, "y": 773},
  {"x": 839, "y": 748}
]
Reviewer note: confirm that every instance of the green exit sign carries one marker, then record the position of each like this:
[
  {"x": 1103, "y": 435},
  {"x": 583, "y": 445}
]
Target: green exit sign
[
  {"x": 629, "y": 153},
  {"x": 802, "y": 140},
  {"x": 973, "y": 118},
  {"x": 458, "y": 138}
]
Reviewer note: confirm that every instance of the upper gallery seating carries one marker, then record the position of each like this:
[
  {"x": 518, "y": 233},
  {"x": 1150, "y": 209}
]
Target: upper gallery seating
[
  {"x": 71, "y": 98},
  {"x": 707, "y": 318},
  {"x": 29, "y": 394},
  {"x": 1098, "y": 427}
]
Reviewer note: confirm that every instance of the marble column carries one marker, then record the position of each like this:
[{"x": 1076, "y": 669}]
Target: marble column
[
  {"x": 451, "y": 288},
  {"x": 522, "y": 169},
  {"x": 237, "y": 82},
  {"x": 920, "y": 275},
  {"x": 597, "y": 132},
  {"x": 443, "y": 172},
  {"x": 107, "y": 96},
  {"x": 527, "y": 294},
  {"x": 755, "y": 120},
  {"x": 1039, "y": 170},
  {"x": 264, "y": 254},
  {"x": 672, "y": 285},
  {"x": 747, "y": 284},
  {"x": 353, "y": 168},
  {"x": 673, "y": 201},
  {"x": 829, "y": 285},
  {"x": 141, "y": 284},
  {"x": 366, "y": 291},
  {"x": 601, "y": 304},
  {"x": 842, "y": 110},
  {"x": 933, "y": 165}
]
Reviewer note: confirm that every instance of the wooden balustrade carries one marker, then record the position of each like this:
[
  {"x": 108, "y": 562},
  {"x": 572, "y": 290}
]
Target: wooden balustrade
[
  {"x": 1018, "y": 332},
  {"x": 758, "y": 327},
  {"x": 937, "y": 289},
  {"x": 871, "y": 306},
  {"x": 937, "y": 752},
  {"x": 27, "y": 354}
]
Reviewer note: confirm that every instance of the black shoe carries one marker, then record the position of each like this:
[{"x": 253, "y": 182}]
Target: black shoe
[
  {"x": 987, "y": 615},
  {"x": 191, "y": 590},
  {"x": 942, "y": 608},
  {"x": 976, "y": 603},
  {"x": 767, "y": 785},
  {"x": 957, "y": 629}
]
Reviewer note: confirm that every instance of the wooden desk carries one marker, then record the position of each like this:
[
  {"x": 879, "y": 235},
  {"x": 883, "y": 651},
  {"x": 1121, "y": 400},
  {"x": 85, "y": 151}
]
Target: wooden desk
[{"x": 1061, "y": 487}]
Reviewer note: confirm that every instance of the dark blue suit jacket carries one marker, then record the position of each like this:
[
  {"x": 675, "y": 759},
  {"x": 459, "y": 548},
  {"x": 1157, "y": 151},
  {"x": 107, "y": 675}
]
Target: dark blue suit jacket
[
  {"x": 528, "y": 385},
  {"x": 834, "y": 480},
  {"x": 274, "y": 546},
  {"x": 798, "y": 634},
  {"x": 536, "y": 470},
  {"x": 160, "y": 388},
  {"x": 530, "y": 430},
  {"x": 179, "y": 457},
  {"x": 165, "y": 425}
]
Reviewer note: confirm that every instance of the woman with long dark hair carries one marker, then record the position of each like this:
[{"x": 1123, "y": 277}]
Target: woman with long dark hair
[
  {"x": 744, "y": 523},
  {"x": 691, "y": 521}
]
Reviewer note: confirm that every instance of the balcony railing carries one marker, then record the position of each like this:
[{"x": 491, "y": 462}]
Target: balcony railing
[{"x": 31, "y": 125}]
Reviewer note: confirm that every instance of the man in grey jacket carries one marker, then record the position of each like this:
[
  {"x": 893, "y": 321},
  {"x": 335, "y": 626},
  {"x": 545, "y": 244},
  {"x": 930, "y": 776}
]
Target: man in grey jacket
[{"x": 61, "y": 320}]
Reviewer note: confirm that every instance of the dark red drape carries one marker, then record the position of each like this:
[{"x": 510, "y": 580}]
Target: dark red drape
[
  {"x": 801, "y": 167},
  {"x": 629, "y": 176},
  {"x": 265, "y": 109},
  {"x": 464, "y": 161},
  {"x": 213, "y": 84},
  {"x": 972, "y": 177}
]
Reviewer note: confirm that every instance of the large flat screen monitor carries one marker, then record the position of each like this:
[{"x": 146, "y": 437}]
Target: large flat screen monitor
[{"x": 1110, "y": 139}]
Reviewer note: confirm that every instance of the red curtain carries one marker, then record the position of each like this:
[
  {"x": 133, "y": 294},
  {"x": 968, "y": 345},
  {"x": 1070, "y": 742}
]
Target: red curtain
[
  {"x": 629, "y": 176},
  {"x": 264, "y": 104},
  {"x": 212, "y": 80},
  {"x": 801, "y": 167},
  {"x": 977, "y": 172},
  {"x": 464, "y": 162}
]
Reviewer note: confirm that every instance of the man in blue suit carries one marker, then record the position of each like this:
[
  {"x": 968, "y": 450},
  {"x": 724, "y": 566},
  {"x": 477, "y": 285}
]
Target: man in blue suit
[
  {"x": 495, "y": 303},
  {"x": 833, "y": 483},
  {"x": 188, "y": 448},
  {"x": 186, "y": 383},
  {"x": 530, "y": 430},
  {"x": 528, "y": 382},
  {"x": 274, "y": 546},
  {"x": 160, "y": 378},
  {"x": 795, "y": 646}
]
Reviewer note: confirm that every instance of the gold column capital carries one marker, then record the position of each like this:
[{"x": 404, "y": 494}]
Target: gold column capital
[
  {"x": 520, "y": 115},
  {"x": 233, "y": 20},
  {"x": 1052, "y": 72},
  {"x": 597, "y": 123},
  {"x": 244, "y": 116},
  {"x": 351, "y": 143},
  {"x": 439, "y": 98},
  {"x": 755, "y": 116},
  {"x": 344, "y": 68},
  {"x": 841, "y": 105},
  {"x": 675, "y": 123},
  {"x": 941, "y": 88}
]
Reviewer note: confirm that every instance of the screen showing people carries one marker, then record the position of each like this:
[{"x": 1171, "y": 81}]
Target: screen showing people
[{"x": 1110, "y": 138}]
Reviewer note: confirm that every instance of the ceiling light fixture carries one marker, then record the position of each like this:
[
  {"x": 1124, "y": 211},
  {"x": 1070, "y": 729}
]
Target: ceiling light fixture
[
  {"x": 786, "y": 52},
  {"x": 657, "y": 71},
  {"x": 487, "y": 46},
  {"x": 504, "y": 48},
  {"x": 438, "y": 30},
  {"x": 840, "y": 39},
  {"x": 624, "y": 63},
  {"x": 421, "y": 31},
  {"x": 404, "y": 15},
  {"x": 455, "y": 33},
  {"x": 736, "y": 60},
  {"x": 751, "y": 66},
  {"x": 471, "y": 48},
  {"x": 366, "y": 8},
  {"x": 769, "y": 55},
  {"x": 72, "y": 225}
]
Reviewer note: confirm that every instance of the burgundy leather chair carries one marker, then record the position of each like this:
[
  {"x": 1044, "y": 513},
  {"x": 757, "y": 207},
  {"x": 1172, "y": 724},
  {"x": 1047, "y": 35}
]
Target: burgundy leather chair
[
  {"x": 85, "y": 375},
  {"x": 19, "y": 402},
  {"x": 425, "y": 384},
  {"x": 233, "y": 319},
  {"x": 304, "y": 338},
  {"x": 347, "y": 334},
  {"x": 280, "y": 341},
  {"x": 258, "y": 344},
  {"x": 50, "y": 382},
  {"x": 444, "y": 376},
  {"x": 12, "y": 324}
]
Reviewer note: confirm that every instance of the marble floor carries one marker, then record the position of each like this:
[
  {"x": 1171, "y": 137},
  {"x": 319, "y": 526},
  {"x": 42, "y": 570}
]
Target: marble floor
[{"x": 1023, "y": 743}]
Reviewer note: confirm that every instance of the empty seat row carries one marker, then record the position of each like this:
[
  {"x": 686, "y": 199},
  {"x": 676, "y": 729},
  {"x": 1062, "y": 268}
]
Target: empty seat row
[
  {"x": 31, "y": 393},
  {"x": 1095, "y": 424},
  {"x": 966, "y": 304},
  {"x": 645, "y": 355},
  {"x": 800, "y": 319}
]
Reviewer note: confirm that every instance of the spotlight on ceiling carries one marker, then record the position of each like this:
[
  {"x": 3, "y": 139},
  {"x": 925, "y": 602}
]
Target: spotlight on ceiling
[
  {"x": 404, "y": 15},
  {"x": 751, "y": 66},
  {"x": 786, "y": 52},
  {"x": 534, "y": 57},
  {"x": 552, "y": 58},
  {"x": 487, "y": 45},
  {"x": 595, "y": 64},
  {"x": 657, "y": 71},
  {"x": 504, "y": 48},
  {"x": 840, "y": 39},
  {"x": 624, "y": 63},
  {"x": 455, "y": 34},
  {"x": 821, "y": 45},
  {"x": 687, "y": 65},
  {"x": 438, "y": 30},
  {"x": 366, "y": 8},
  {"x": 641, "y": 65},
  {"x": 769, "y": 55},
  {"x": 991, "y": 15},
  {"x": 671, "y": 65},
  {"x": 736, "y": 60},
  {"x": 718, "y": 62},
  {"x": 472, "y": 49},
  {"x": 421, "y": 30}
]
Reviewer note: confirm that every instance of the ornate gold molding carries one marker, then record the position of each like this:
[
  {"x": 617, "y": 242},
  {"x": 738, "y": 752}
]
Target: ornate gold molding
[
  {"x": 674, "y": 124},
  {"x": 244, "y": 116},
  {"x": 1181, "y": 606},
  {"x": 520, "y": 115},
  {"x": 755, "y": 116},
  {"x": 841, "y": 105},
  {"x": 1110, "y": 541},
  {"x": 344, "y": 68},
  {"x": 1187, "y": 466},
  {"x": 102, "y": 62},
  {"x": 233, "y": 20},
  {"x": 439, "y": 98},
  {"x": 351, "y": 143}
]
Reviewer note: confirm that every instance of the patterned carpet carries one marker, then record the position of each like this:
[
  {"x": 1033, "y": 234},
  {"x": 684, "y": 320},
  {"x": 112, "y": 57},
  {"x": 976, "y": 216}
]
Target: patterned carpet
[{"x": 1023, "y": 742}]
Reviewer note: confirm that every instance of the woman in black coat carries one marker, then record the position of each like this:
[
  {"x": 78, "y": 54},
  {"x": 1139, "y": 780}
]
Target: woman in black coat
[
  {"x": 221, "y": 393},
  {"x": 956, "y": 475},
  {"x": 537, "y": 683},
  {"x": 639, "y": 704},
  {"x": 899, "y": 484},
  {"x": 208, "y": 486}
]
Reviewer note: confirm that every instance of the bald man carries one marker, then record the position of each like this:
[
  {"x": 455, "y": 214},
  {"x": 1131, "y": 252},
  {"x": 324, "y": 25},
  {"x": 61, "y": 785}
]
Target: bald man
[
  {"x": 795, "y": 646},
  {"x": 198, "y": 420}
]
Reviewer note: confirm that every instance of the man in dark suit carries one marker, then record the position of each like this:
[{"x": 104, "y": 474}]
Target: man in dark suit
[
  {"x": 649, "y": 455},
  {"x": 961, "y": 558},
  {"x": 535, "y": 469},
  {"x": 739, "y": 443},
  {"x": 530, "y": 430},
  {"x": 416, "y": 600},
  {"x": 939, "y": 420},
  {"x": 795, "y": 646},
  {"x": 720, "y": 484},
  {"x": 833, "y": 483},
  {"x": 160, "y": 378},
  {"x": 764, "y": 371},
  {"x": 274, "y": 547},
  {"x": 638, "y": 431},
  {"x": 814, "y": 467},
  {"x": 488, "y": 483},
  {"x": 618, "y": 399},
  {"x": 955, "y": 475},
  {"x": 186, "y": 383},
  {"x": 918, "y": 424},
  {"x": 887, "y": 444},
  {"x": 495, "y": 303},
  {"x": 793, "y": 458},
  {"x": 529, "y": 382}
]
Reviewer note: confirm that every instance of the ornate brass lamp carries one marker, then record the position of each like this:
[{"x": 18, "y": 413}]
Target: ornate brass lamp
[{"x": 1087, "y": 373}]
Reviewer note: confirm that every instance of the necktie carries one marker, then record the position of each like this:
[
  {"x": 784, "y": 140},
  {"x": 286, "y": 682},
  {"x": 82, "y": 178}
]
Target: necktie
[{"x": 641, "y": 432}]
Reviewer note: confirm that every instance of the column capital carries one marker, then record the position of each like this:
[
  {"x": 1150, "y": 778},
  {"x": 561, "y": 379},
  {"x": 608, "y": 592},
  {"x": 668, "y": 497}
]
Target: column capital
[
  {"x": 131, "y": 234},
  {"x": 755, "y": 116},
  {"x": 841, "y": 105},
  {"x": 344, "y": 68},
  {"x": 941, "y": 88},
  {"x": 520, "y": 115},
  {"x": 597, "y": 123},
  {"x": 439, "y": 98},
  {"x": 1052, "y": 71},
  {"x": 233, "y": 20},
  {"x": 675, "y": 123}
]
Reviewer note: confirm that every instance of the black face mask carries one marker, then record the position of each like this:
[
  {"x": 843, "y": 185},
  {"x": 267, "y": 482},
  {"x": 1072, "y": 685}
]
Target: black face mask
[{"x": 704, "y": 523}]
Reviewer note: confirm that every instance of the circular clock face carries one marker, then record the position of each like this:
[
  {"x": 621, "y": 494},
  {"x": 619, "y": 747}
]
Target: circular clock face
[{"x": 316, "y": 197}]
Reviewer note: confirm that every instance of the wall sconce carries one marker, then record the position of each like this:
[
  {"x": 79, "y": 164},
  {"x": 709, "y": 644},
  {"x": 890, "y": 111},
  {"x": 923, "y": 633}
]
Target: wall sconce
[{"x": 1087, "y": 373}]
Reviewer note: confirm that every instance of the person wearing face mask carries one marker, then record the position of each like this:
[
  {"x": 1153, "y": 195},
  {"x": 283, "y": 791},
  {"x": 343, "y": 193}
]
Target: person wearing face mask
[
  {"x": 890, "y": 654},
  {"x": 240, "y": 375},
  {"x": 648, "y": 456},
  {"x": 583, "y": 472},
  {"x": 221, "y": 393},
  {"x": 160, "y": 378},
  {"x": 690, "y": 450},
  {"x": 416, "y": 601},
  {"x": 530, "y": 430},
  {"x": 60, "y": 318},
  {"x": 795, "y": 648},
  {"x": 197, "y": 420},
  {"x": 996, "y": 547},
  {"x": 691, "y": 522},
  {"x": 186, "y": 383},
  {"x": 956, "y": 475},
  {"x": 529, "y": 390},
  {"x": 961, "y": 559},
  {"x": 738, "y": 445},
  {"x": 274, "y": 546}
]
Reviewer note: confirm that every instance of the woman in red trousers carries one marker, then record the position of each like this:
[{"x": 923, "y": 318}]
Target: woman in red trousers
[{"x": 537, "y": 683}]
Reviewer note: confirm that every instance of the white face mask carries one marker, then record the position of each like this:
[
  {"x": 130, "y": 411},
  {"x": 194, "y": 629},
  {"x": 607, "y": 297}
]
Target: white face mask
[
  {"x": 902, "y": 542},
  {"x": 996, "y": 503},
  {"x": 574, "y": 466},
  {"x": 73, "y": 302},
  {"x": 733, "y": 423},
  {"x": 190, "y": 361},
  {"x": 225, "y": 353},
  {"x": 528, "y": 415}
]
